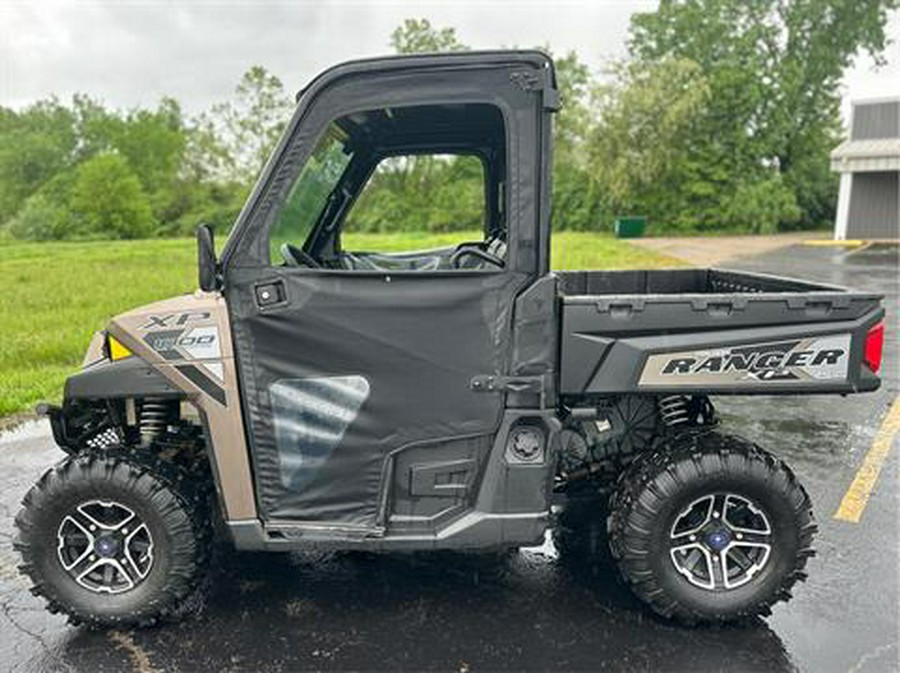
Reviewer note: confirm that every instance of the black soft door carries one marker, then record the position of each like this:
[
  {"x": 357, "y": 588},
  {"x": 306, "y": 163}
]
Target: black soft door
[{"x": 351, "y": 367}]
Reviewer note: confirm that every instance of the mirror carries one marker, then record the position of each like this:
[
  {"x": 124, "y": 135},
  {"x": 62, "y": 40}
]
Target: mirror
[{"x": 206, "y": 259}]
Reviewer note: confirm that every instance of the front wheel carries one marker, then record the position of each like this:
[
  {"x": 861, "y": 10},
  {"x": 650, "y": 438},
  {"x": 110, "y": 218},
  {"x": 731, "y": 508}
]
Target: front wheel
[
  {"x": 114, "y": 538},
  {"x": 710, "y": 528}
]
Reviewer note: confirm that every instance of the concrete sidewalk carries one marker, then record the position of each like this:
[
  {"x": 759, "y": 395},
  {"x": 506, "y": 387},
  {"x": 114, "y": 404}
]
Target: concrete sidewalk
[{"x": 716, "y": 250}]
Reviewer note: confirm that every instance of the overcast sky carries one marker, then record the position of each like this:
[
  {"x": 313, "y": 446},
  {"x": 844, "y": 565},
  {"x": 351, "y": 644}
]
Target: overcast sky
[{"x": 132, "y": 52}]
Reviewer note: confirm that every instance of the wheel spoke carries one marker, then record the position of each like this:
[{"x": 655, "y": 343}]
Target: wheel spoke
[
  {"x": 129, "y": 570},
  {"x": 85, "y": 521},
  {"x": 681, "y": 527},
  {"x": 753, "y": 538},
  {"x": 683, "y": 539},
  {"x": 80, "y": 563},
  {"x": 755, "y": 520},
  {"x": 719, "y": 503},
  {"x": 689, "y": 558},
  {"x": 138, "y": 551},
  {"x": 720, "y": 570},
  {"x": 738, "y": 555}
]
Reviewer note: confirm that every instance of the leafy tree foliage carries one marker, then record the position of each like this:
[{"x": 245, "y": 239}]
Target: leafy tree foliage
[
  {"x": 35, "y": 144},
  {"x": 773, "y": 68},
  {"x": 418, "y": 36},
  {"x": 642, "y": 135},
  {"x": 249, "y": 126},
  {"x": 575, "y": 202},
  {"x": 108, "y": 200},
  {"x": 433, "y": 193},
  {"x": 723, "y": 117}
]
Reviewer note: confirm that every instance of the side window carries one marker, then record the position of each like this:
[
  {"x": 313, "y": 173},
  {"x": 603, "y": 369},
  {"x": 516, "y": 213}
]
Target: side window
[
  {"x": 418, "y": 201},
  {"x": 310, "y": 192},
  {"x": 417, "y": 188}
]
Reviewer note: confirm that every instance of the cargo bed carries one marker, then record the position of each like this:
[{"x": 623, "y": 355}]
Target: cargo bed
[{"x": 712, "y": 330}]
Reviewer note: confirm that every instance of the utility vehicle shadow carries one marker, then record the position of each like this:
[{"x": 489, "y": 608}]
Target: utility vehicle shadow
[{"x": 535, "y": 609}]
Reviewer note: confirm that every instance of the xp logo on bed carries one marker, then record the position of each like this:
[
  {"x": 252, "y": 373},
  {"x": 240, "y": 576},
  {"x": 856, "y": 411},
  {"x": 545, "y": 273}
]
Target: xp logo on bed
[{"x": 815, "y": 359}]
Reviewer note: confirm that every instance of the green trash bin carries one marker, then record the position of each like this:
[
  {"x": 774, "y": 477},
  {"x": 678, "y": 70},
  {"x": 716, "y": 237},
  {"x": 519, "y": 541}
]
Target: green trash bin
[{"x": 630, "y": 227}]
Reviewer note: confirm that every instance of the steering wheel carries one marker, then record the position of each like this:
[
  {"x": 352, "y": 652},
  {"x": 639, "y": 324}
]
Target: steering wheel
[
  {"x": 466, "y": 250},
  {"x": 295, "y": 256}
]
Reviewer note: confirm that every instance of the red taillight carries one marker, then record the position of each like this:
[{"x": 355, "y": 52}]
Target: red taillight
[{"x": 874, "y": 347}]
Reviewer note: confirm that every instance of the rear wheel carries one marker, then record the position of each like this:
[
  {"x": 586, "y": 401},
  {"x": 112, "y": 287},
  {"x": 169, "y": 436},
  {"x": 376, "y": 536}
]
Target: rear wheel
[
  {"x": 710, "y": 527},
  {"x": 114, "y": 537}
]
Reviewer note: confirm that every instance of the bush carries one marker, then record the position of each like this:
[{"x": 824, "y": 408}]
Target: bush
[
  {"x": 40, "y": 219},
  {"x": 761, "y": 206},
  {"x": 108, "y": 200}
]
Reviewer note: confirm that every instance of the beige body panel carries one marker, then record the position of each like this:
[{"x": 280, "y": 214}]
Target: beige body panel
[
  {"x": 95, "y": 351},
  {"x": 187, "y": 339}
]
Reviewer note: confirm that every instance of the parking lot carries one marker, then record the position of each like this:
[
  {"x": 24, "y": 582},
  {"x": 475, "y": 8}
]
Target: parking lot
[{"x": 538, "y": 609}]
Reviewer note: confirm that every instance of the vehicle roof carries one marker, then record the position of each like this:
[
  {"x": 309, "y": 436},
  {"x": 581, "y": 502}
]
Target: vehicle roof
[{"x": 534, "y": 57}]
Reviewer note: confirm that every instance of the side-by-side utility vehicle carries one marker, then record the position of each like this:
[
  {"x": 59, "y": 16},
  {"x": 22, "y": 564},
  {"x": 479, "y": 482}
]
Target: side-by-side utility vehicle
[{"x": 324, "y": 389}]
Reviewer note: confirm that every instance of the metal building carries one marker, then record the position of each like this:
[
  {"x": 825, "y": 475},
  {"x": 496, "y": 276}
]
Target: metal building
[{"x": 869, "y": 164}]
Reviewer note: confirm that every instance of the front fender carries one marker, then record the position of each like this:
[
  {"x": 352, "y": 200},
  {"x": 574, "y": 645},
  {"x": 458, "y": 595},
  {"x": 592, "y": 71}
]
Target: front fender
[{"x": 131, "y": 377}]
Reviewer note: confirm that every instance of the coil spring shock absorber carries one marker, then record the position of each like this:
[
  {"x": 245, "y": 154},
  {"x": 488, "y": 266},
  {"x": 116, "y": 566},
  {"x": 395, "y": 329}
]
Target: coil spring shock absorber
[
  {"x": 674, "y": 410},
  {"x": 154, "y": 418}
]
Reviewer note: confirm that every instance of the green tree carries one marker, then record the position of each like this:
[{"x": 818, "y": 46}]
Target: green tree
[
  {"x": 639, "y": 143},
  {"x": 575, "y": 205},
  {"x": 35, "y": 144},
  {"x": 41, "y": 218},
  {"x": 152, "y": 141},
  {"x": 418, "y": 36},
  {"x": 249, "y": 126},
  {"x": 108, "y": 200},
  {"x": 774, "y": 69}
]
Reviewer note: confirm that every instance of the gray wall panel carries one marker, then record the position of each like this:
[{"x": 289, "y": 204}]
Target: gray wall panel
[
  {"x": 876, "y": 120},
  {"x": 874, "y": 206}
]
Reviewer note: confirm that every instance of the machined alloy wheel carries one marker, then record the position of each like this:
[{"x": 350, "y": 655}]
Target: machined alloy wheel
[
  {"x": 720, "y": 541},
  {"x": 105, "y": 546}
]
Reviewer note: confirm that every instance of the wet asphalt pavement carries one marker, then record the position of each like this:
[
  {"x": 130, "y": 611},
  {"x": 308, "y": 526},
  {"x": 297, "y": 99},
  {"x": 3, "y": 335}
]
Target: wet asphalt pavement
[{"x": 538, "y": 609}]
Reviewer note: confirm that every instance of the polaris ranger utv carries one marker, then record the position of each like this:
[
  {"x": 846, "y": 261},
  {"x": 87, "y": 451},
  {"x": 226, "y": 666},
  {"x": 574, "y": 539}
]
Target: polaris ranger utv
[{"x": 314, "y": 395}]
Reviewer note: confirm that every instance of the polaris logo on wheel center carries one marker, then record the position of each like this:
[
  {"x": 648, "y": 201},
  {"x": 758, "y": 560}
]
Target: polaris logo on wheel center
[{"x": 789, "y": 361}]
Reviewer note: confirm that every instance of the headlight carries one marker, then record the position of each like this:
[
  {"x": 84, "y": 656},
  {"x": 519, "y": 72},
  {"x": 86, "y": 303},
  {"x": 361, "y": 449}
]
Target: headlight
[{"x": 115, "y": 349}]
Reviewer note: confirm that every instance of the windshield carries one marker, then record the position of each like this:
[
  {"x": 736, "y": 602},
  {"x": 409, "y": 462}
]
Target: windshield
[{"x": 309, "y": 193}]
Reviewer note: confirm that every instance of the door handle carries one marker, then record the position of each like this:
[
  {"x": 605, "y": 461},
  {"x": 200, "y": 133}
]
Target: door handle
[{"x": 270, "y": 293}]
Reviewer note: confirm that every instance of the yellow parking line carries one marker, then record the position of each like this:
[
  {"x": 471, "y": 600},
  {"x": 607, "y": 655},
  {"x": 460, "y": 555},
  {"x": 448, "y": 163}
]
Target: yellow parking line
[
  {"x": 830, "y": 242},
  {"x": 857, "y": 496}
]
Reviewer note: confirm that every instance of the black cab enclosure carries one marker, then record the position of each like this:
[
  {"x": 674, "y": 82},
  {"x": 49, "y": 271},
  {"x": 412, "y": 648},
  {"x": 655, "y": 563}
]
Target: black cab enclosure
[{"x": 358, "y": 369}]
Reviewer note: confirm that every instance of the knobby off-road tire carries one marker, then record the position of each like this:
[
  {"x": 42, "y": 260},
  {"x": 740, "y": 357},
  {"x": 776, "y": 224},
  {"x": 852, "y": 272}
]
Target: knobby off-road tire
[
  {"x": 78, "y": 491},
  {"x": 668, "y": 558}
]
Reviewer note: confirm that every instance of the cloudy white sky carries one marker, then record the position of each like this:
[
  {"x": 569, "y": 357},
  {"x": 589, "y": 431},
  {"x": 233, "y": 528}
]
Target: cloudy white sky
[{"x": 132, "y": 52}]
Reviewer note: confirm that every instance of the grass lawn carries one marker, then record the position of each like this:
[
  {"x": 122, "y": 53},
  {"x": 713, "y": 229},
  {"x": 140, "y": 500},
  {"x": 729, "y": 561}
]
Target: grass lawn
[{"x": 55, "y": 295}]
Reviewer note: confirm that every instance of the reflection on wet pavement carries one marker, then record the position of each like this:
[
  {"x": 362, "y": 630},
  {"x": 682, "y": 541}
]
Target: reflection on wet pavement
[{"x": 535, "y": 609}]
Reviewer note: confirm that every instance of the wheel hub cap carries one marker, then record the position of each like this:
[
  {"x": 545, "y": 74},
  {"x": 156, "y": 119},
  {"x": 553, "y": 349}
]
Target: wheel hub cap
[
  {"x": 105, "y": 546},
  {"x": 720, "y": 541}
]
